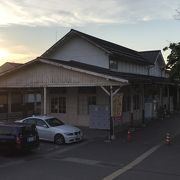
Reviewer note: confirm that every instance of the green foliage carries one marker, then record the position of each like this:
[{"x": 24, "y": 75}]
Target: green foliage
[{"x": 173, "y": 60}]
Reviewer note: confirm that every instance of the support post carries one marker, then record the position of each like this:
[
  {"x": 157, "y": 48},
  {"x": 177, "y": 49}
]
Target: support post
[
  {"x": 168, "y": 98},
  {"x": 143, "y": 116},
  {"x": 177, "y": 97},
  {"x": 132, "y": 117},
  {"x": 9, "y": 102},
  {"x": 111, "y": 94},
  {"x": 160, "y": 97},
  {"x": 35, "y": 103},
  {"x": 112, "y": 136},
  {"x": 45, "y": 101}
]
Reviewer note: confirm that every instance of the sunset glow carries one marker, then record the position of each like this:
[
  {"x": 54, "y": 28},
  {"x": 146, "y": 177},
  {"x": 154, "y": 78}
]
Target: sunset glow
[
  {"x": 29, "y": 28},
  {"x": 3, "y": 54},
  {"x": 8, "y": 56}
]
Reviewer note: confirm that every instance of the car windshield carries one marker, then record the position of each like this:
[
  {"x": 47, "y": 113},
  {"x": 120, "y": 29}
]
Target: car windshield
[{"x": 54, "y": 122}]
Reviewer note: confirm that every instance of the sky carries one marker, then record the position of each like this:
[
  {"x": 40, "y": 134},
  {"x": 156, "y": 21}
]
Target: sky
[{"x": 29, "y": 27}]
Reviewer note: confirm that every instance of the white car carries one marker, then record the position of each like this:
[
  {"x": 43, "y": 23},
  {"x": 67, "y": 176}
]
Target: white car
[{"x": 52, "y": 129}]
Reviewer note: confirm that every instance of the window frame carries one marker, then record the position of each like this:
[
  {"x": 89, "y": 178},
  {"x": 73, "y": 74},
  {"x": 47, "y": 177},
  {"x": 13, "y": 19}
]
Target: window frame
[
  {"x": 59, "y": 105},
  {"x": 113, "y": 64},
  {"x": 83, "y": 106},
  {"x": 136, "y": 102},
  {"x": 126, "y": 103}
]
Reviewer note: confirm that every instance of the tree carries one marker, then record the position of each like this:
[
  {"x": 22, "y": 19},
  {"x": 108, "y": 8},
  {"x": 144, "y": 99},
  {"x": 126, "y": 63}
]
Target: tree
[
  {"x": 177, "y": 16},
  {"x": 173, "y": 60}
]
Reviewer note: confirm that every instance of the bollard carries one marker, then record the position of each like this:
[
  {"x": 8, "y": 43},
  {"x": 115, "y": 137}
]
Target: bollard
[
  {"x": 129, "y": 136},
  {"x": 168, "y": 139}
]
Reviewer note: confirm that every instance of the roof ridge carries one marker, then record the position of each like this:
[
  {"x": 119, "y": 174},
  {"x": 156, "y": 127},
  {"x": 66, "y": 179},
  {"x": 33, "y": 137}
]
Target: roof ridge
[
  {"x": 102, "y": 40},
  {"x": 109, "y": 47},
  {"x": 151, "y": 51},
  {"x": 92, "y": 68}
]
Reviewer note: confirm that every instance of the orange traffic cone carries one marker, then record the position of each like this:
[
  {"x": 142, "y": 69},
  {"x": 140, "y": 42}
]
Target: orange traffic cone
[
  {"x": 168, "y": 139},
  {"x": 129, "y": 136}
]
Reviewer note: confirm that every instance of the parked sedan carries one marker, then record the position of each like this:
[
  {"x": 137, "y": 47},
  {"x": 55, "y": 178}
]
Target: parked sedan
[{"x": 52, "y": 129}]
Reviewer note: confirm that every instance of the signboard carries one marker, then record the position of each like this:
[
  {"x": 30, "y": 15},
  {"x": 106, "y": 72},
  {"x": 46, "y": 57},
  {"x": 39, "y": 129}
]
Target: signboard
[
  {"x": 117, "y": 108},
  {"x": 99, "y": 117}
]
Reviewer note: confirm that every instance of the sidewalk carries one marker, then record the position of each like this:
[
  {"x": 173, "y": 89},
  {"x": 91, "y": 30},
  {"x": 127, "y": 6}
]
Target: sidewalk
[
  {"x": 94, "y": 134},
  {"x": 119, "y": 152},
  {"x": 154, "y": 131},
  {"x": 99, "y": 156}
]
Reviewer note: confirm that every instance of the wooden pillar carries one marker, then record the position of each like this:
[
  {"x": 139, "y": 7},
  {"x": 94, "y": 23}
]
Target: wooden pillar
[
  {"x": 111, "y": 114},
  {"x": 160, "y": 96},
  {"x": 45, "y": 101},
  {"x": 168, "y": 96},
  {"x": 111, "y": 94},
  {"x": 143, "y": 105},
  {"x": 132, "y": 116},
  {"x": 177, "y": 97},
  {"x": 9, "y": 102},
  {"x": 35, "y": 103}
]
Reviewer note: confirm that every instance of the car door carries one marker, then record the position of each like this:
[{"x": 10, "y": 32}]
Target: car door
[{"x": 43, "y": 130}]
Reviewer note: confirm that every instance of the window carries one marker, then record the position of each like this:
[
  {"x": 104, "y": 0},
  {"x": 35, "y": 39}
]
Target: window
[
  {"x": 40, "y": 123},
  {"x": 58, "y": 104},
  {"x": 32, "y": 103},
  {"x": 82, "y": 105},
  {"x": 31, "y": 98},
  {"x": 30, "y": 121},
  {"x": 113, "y": 64},
  {"x": 17, "y": 101},
  {"x": 62, "y": 105},
  {"x": 84, "y": 102},
  {"x": 3, "y": 103},
  {"x": 91, "y": 100},
  {"x": 126, "y": 103},
  {"x": 54, "y": 122},
  {"x": 136, "y": 102}
]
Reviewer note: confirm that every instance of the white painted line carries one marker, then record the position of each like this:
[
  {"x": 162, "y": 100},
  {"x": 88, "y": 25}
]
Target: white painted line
[
  {"x": 81, "y": 161},
  {"x": 132, "y": 164}
]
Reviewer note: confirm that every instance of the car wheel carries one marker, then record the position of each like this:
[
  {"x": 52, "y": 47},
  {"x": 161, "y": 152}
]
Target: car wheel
[{"x": 59, "y": 139}]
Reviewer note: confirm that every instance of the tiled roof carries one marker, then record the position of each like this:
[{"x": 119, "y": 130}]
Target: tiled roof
[
  {"x": 151, "y": 56},
  {"x": 128, "y": 76},
  {"x": 114, "y": 50},
  {"x": 8, "y": 66}
]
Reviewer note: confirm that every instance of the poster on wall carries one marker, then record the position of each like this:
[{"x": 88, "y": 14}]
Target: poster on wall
[
  {"x": 117, "y": 109},
  {"x": 99, "y": 117}
]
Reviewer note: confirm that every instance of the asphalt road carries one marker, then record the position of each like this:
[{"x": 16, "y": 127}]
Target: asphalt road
[
  {"x": 164, "y": 164},
  {"x": 146, "y": 157},
  {"x": 91, "y": 160}
]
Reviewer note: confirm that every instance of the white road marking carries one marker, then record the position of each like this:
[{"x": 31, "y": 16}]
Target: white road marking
[
  {"x": 133, "y": 163},
  {"x": 88, "y": 162},
  {"x": 81, "y": 161}
]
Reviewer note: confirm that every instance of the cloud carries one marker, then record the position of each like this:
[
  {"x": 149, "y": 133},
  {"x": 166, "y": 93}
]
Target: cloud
[
  {"x": 1, "y": 39},
  {"x": 16, "y": 53},
  {"x": 81, "y": 12}
]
